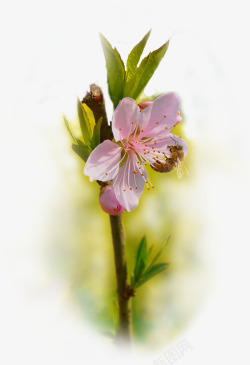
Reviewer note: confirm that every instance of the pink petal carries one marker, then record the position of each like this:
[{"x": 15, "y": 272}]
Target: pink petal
[
  {"x": 103, "y": 162},
  {"x": 128, "y": 185},
  {"x": 162, "y": 142},
  {"x": 108, "y": 201},
  {"x": 161, "y": 114},
  {"x": 125, "y": 118}
]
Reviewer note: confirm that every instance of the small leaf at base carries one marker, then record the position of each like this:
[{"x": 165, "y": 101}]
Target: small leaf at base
[
  {"x": 141, "y": 258},
  {"x": 148, "y": 274},
  {"x": 82, "y": 151}
]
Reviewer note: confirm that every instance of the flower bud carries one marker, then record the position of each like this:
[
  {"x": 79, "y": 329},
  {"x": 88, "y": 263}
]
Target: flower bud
[
  {"x": 144, "y": 104},
  {"x": 108, "y": 201}
]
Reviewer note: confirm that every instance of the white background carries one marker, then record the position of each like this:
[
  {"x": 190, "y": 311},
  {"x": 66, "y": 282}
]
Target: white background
[{"x": 50, "y": 53}]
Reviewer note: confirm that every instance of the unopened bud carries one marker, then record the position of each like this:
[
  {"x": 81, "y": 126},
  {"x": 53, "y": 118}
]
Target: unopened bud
[
  {"x": 144, "y": 104},
  {"x": 108, "y": 201}
]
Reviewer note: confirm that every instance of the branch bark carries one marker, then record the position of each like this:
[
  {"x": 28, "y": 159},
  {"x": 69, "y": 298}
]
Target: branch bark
[
  {"x": 95, "y": 101},
  {"x": 124, "y": 291}
]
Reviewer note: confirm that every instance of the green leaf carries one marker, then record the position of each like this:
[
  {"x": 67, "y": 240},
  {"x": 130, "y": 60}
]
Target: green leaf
[
  {"x": 96, "y": 134},
  {"x": 159, "y": 253},
  {"x": 69, "y": 130},
  {"x": 148, "y": 274},
  {"x": 84, "y": 123},
  {"x": 135, "y": 55},
  {"x": 135, "y": 85},
  {"x": 150, "y": 250},
  {"x": 82, "y": 150},
  {"x": 141, "y": 258},
  {"x": 115, "y": 71},
  {"x": 78, "y": 141},
  {"x": 90, "y": 116}
]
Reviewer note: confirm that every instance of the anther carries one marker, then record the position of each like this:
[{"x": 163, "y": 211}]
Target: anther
[
  {"x": 120, "y": 129},
  {"x": 165, "y": 116},
  {"x": 135, "y": 172},
  {"x": 106, "y": 173},
  {"x": 166, "y": 127},
  {"x": 156, "y": 122},
  {"x": 130, "y": 188}
]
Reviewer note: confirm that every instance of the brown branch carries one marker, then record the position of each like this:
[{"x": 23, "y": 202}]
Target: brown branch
[{"x": 124, "y": 291}]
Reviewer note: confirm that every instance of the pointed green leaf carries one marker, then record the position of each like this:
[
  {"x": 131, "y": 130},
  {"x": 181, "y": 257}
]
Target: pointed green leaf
[
  {"x": 96, "y": 134},
  {"x": 150, "y": 250},
  {"x": 135, "y": 55},
  {"x": 148, "y": 274},
  {"x": 115, "y": 71},
  {"x": 78, "y": 141},
  {"x": 141, "y": 258},
  {"x": 135, "y": 85},
  {"x": 82, "y": 151},
  {"x": 158, "y": 254},
  {"x": 68, "y": 128},
  {"x": 90, "y": 116},
  {"x": 84, "y": 123}
]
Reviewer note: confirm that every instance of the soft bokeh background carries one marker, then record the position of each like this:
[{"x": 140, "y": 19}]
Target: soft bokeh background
[{"x": 56, "y": 264}]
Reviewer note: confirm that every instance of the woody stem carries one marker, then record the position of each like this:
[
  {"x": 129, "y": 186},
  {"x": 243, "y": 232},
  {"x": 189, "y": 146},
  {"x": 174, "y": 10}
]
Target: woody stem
[{"x": 124, "y": 300}]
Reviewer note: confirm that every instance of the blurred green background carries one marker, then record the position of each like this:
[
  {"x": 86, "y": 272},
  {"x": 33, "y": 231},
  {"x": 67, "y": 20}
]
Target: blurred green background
[{"x": 80, "y": 249}]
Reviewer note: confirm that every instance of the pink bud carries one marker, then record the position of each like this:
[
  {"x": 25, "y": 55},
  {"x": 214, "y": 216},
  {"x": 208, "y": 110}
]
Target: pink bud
[
  {"x": 144, "y": 104},
  {"x": 108, "y": 201}
]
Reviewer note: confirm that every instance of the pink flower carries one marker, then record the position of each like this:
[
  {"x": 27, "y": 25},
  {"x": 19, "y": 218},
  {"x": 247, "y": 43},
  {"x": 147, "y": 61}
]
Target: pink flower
[
  {"x": 142, "y": 136},
  {"x": 108, "y": 201}
]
